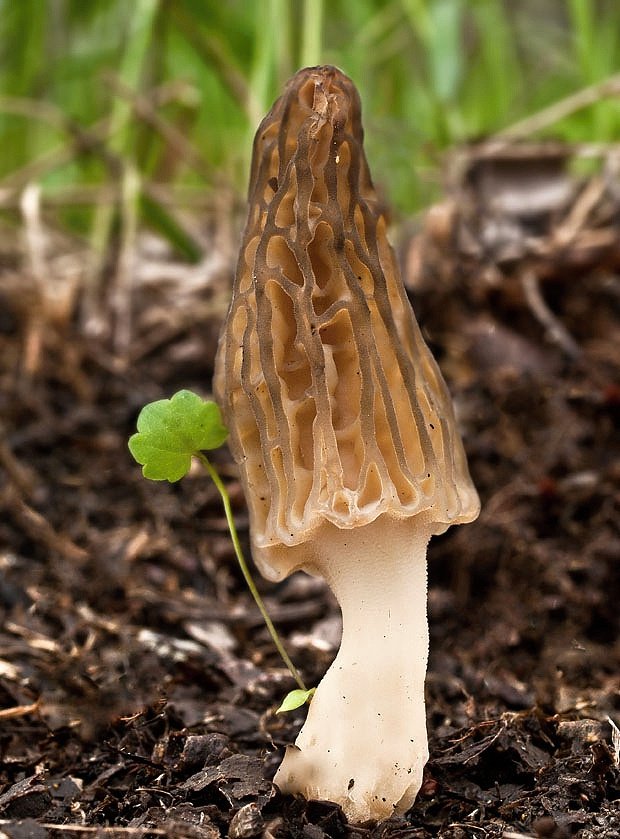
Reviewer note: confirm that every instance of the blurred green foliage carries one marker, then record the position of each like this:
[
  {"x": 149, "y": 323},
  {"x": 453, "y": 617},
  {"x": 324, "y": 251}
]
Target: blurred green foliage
[{"x": 157, "y": 94}]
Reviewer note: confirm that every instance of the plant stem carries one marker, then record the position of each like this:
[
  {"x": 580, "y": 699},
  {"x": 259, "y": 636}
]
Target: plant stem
[
  {"x": 311, "y": 33},
  {"x": 246, "y": 571}
]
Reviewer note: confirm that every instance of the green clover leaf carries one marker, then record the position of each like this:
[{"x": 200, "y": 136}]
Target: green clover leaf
[{"x": 170, "y": 431}]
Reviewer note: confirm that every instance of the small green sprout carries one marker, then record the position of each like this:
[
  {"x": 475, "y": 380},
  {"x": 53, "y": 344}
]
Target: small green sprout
[
  {"x": 170, "y": 433},
  {"x": 295, "y": 699}
]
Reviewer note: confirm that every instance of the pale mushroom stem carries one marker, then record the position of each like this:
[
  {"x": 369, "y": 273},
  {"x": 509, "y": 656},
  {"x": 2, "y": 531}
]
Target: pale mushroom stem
[{"x": 364, "y": 743}]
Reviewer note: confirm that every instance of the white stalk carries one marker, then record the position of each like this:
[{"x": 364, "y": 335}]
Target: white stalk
[{"x": 364, "y": 743}]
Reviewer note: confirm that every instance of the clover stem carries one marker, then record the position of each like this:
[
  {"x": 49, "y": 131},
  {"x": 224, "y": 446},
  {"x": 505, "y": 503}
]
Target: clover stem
[{"x": 246, "y": 571}]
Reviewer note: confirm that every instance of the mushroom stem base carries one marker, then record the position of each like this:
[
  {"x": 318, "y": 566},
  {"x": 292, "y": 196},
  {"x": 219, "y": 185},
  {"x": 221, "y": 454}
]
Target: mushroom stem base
[{"x": 364, "y": 743}]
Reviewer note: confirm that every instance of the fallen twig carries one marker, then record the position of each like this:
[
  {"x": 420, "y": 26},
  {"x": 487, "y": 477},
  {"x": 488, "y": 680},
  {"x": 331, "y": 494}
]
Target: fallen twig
[
  {"x": 38, "y": 527},
  {"x": 556, "y": 331},
  {"x": 19, "y": 711}
]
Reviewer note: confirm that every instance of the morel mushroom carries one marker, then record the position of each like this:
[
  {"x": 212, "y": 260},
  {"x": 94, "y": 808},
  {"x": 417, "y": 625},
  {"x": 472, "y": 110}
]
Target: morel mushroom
[{"x": 345, "y": 436}]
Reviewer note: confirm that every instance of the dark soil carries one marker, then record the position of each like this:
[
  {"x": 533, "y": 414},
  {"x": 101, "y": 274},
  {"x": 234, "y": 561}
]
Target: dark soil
[{"x": 137, "y": 682}]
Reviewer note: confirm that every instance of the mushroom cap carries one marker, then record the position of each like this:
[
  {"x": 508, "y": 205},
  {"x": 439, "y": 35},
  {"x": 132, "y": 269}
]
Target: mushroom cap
[{"x": 336, "y": 408}]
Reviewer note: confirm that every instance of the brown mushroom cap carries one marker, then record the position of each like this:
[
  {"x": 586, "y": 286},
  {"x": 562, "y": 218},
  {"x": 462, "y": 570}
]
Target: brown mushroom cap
[{"x": 337, "y": 411}]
